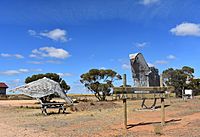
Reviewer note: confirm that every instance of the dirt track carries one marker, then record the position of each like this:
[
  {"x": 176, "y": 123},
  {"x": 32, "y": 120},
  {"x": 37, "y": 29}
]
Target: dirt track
[{"x": 101, "y": 119}]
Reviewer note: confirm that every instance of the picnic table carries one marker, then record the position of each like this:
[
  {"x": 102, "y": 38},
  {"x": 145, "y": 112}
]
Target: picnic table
[{"x": 52, "y": 105}]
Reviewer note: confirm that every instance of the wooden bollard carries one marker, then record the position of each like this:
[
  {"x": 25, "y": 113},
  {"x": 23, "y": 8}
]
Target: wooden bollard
[
  {"x": 162, "y": 111},
  {"x": 125, "y": 103},
  {"x": 125, "y": 113},
  {"x": 162, "y": 104}
]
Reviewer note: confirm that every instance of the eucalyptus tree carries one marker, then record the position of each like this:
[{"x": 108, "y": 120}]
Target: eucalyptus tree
[{"x": 99, "y": 82}]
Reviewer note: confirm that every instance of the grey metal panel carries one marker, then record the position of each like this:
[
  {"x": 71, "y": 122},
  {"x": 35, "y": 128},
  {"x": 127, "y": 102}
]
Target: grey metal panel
[
  {"x": 41, "y": 88},
  {"x": 142, "y": 74}
]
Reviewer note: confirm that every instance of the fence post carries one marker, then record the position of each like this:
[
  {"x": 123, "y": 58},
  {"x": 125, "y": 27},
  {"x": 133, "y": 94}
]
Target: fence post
[
  {"x": 161, "y": 80},
  {"x": 125, "y": 102},
  {"x": 162, "y": 111},
  {"x": 162, "y": 103}
]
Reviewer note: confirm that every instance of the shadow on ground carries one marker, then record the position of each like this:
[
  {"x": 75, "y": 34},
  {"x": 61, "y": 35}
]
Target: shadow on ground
[
  {"x": 55, "y": 113},
  {"x": 149, "y": 123}
]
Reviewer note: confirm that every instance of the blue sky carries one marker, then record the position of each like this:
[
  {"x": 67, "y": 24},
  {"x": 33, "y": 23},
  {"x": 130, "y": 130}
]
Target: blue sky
[{"x": 69, "y": 37}]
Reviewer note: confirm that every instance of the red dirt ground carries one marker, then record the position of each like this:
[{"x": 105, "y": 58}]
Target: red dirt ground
[{"x": 95, "y": 119}]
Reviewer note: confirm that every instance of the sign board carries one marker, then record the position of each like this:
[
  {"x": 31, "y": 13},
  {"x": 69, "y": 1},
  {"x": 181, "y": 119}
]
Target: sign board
[
  {"x": 188, "y": 92},
  {"x": 135, "y": 90}
]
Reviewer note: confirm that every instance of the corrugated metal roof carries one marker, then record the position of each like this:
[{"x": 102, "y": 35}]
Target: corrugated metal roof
[{"x": 3, "y": 85}]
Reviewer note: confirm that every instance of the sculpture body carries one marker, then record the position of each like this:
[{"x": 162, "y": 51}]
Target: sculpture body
[
  {"x": 43, "y": 87},
  {"x": 143, "y": 75}
]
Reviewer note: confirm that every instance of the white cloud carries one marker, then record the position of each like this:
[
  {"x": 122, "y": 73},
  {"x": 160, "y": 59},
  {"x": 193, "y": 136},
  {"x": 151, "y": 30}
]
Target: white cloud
[
  {"x": 18, "y": 56},
  {"x": 23, "y": 70},
  {"x": 16, "y": 80},
  {"x": 148, "y": 2},
  {"x": 14, "y": 83},
  {"x": 36, "y": 70},
  {"x": 55, "y": 34},
  {"x": 33, "y": 56},
  {"x": 122, "y": 60},
  {"x": 44, "y": 62},
  {"x": 78, "y": 87},
  {"x": 161, "y": 62},
  {"x": 141, "y": 45},
  {"x": 171, "y": 57},
  {"x": 49, "y": 52},
  {"x": 102, "y": 68},
  {"x": 126, "y": 66},
  {"x": 6, "y": 55},
  {"x": 35, "y": 62},
  {"x": 32, "y": 32},
  {"x": 64, "y": 74},
  {"x": 19, "y": 71},
  {"x": 10, "y": 72},
  {"x": 54, "y": 61},
  {"x": 186, "y": 29}
]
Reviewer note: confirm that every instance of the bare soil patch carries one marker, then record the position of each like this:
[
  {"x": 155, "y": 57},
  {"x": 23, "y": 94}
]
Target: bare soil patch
[
  {"x": 96, "y": 119},
  {"x": 93, "y": 105}
]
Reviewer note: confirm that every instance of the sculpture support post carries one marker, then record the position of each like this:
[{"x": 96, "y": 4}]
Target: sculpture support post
[
  {"x": 125, "y": 102},
  {"x": 124, "y": 80}
]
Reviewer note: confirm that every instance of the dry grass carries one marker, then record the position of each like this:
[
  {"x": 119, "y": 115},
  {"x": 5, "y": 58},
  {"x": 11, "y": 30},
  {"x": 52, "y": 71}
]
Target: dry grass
[
  {"x": 158, "y": 129},
  {"x": 99, "y": 119}
]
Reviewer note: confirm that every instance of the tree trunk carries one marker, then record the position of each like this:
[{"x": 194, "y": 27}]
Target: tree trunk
[
  {"x": 97, "y": 96},
  {"x": 100, "y": 97}
]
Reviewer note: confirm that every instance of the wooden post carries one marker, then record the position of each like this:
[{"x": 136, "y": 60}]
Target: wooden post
[
  {"x": 183, "y": 93},
  {"x": 161, "y": 80},
  {"x": 125, "y": 113},
  {"x": 124, "y": 84},
  {"x": 125, "y": 103},
  {"x": 162, "y": 111},
  {"x": 162, "y": 104}
]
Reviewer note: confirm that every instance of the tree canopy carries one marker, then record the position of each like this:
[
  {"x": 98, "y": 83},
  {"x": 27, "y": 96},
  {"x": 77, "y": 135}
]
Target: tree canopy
[
  {"x": 181, "y": 79},
  {"x": 99, "y": 81}
]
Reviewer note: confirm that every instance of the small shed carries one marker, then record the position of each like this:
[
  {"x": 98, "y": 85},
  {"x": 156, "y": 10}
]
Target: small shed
[{"x": 3, "y": 88}]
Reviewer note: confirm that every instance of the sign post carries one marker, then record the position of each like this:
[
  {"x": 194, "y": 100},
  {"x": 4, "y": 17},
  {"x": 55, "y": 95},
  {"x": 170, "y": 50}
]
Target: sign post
[
  {"x": 157, "y": 92},
  {"x": 162, "y": 111},
  {"x": 124, "y": 101},
  {"x": 162, "y": 104}
]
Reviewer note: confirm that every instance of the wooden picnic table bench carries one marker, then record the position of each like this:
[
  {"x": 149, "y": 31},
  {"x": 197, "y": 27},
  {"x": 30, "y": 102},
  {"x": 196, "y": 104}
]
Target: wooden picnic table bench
[{"x": 52, "y": 105}]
